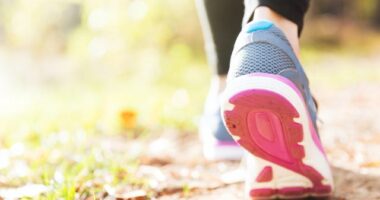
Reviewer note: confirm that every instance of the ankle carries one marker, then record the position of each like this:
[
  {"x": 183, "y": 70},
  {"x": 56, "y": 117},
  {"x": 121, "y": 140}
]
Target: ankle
[
  {"x": 219, "y": 81},
  {"x": 289, "y": 28}
]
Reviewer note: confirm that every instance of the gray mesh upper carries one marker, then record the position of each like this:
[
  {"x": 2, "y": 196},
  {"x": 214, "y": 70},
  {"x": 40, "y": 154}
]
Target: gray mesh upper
[
  {"x": 279, "y": 34},
  {"x": 260, "y": 57}
]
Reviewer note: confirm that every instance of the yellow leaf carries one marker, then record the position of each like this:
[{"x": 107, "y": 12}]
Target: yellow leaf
[
  {"x": 128, "y": 119},
  {"x": 372, "y": 164}
]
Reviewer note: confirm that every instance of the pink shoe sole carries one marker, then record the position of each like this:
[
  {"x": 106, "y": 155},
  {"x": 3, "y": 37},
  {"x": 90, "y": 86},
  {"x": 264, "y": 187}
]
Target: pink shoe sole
[{"x": 263, "y": 122}]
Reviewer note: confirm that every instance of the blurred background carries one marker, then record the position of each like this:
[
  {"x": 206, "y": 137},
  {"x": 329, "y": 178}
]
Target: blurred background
[
  {"x": 69, "y": 64},
  {"x": 73, "y": 73},
  {"x": 75, "y": 63}
]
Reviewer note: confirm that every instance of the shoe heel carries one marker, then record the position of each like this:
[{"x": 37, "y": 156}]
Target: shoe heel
[{"x": 267, "y": 116}]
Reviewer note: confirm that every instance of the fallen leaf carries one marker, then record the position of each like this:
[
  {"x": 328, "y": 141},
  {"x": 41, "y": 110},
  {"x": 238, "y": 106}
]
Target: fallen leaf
[
  {"x": 151, "y": 173},
  {"x": 154, "y": 160},
  {"x": 372, "y": 164},
  {"x": 234, "y": 176},
  {"x": 30, "y": 190},
  {"x": 132, "y": 195}
]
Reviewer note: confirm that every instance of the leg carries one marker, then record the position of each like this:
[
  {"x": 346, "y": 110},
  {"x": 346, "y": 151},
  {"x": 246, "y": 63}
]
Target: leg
[
  {"x": 287, "y": 15},
  {"x": 221, "y": 24}
]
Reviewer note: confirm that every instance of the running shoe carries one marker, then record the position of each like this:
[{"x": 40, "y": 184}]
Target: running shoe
[
  {"x": 268, "y": 108},
  {"x": 217, "y": 143}
]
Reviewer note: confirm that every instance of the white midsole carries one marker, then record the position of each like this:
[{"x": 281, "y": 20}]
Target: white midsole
[
  {"x": 219, "y": 152},
  {"x": 313, "y": 155}
]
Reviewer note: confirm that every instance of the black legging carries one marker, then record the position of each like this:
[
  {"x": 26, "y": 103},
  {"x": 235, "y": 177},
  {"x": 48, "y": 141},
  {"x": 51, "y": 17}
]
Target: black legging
[{"x": 221, "y": 23}]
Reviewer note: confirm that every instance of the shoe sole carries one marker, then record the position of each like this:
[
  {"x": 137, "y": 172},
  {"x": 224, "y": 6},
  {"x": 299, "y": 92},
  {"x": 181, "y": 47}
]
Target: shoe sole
[
  {"x": 266, "y": 114},
  {"x": 219, "y": 151}
]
